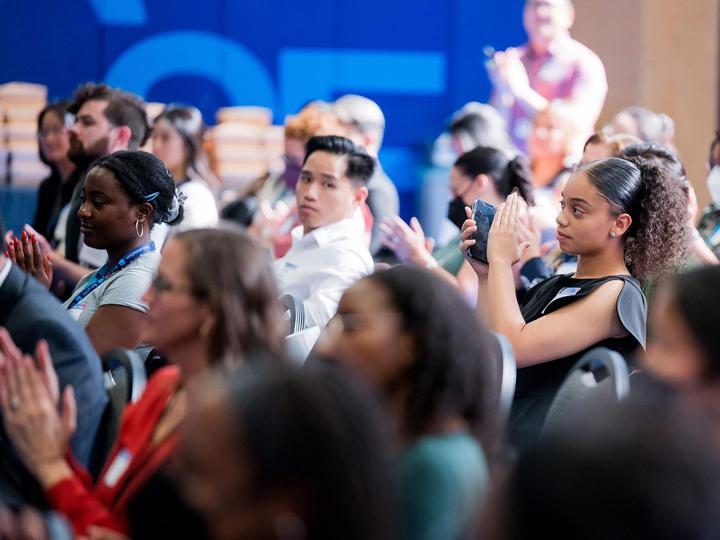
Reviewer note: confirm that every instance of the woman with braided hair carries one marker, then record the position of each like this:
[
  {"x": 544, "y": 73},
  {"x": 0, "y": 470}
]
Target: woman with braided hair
[
  {"x": 123, "y": 196},
  {"x": 627, "y": 221}
]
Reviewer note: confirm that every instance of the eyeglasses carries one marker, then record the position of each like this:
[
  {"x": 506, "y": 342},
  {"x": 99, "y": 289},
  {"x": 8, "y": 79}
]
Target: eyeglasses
[{"x": 161, "y": 284}]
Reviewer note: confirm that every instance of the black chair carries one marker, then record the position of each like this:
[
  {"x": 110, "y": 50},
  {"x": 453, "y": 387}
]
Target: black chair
[
  {"x": 598, "y": 379},
  {"x": 125, "y": 379},
  {"x": 295, "y": 312}
]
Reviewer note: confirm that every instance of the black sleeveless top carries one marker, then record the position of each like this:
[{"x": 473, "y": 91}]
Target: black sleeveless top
[{"x": 537, "y": 385}]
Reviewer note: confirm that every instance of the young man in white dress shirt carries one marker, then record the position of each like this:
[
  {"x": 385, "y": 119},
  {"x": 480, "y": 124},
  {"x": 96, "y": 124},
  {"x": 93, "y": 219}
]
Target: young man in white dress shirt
[{"x": 329, "y": 251}]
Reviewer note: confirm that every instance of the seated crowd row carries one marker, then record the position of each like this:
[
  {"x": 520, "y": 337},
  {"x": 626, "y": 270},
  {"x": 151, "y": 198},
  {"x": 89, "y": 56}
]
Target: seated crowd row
[{"x": 391, "y": 429}]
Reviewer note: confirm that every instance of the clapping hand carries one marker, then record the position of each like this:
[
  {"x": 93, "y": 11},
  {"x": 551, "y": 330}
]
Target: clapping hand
[
  {"x": 28, "y": 255},
  {"x": 29, "y": 403},
  {"x": 505, "y": 246},
  {"x": 408, "y": 242}
]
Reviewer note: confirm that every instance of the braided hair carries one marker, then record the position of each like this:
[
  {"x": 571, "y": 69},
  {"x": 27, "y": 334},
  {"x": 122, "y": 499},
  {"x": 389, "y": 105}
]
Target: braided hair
[{"x": 145, "y": 178}]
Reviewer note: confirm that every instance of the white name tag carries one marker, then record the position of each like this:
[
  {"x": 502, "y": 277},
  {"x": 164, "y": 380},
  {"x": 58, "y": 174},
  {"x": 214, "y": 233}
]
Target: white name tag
[
  {"x": 563, "y": 293},
  {"x": 77, "y": 311},
  {"x": 117, "y": 468}
]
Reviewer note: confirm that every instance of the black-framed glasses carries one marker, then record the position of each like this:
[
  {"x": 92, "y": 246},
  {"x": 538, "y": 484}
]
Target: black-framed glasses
[{"x": 161, "y": 284}]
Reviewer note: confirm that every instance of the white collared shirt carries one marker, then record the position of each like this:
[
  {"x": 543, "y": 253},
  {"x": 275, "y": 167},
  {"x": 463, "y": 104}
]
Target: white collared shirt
[
  {"x": 322, "y": 264},
  {"x": 5, "y": 272}
]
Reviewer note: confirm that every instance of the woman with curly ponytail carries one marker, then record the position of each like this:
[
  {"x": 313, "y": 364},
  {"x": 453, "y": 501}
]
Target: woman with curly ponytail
[{"x": 627, "y": 221}]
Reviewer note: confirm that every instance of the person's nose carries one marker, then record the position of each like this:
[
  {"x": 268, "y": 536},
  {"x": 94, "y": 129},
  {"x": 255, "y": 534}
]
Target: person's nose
[
  {"x": 561, "y": 219},
  {"x": 83, "y": 211}
]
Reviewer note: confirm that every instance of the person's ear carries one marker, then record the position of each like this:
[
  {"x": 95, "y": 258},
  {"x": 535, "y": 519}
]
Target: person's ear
[
  {"x": 480, "y": 181},
  {"x": 621, "y": 225},
  {"x": 360, "y": 195},
  {"x": 144, "y": 212},
  {"x": 121, "y": 137}
]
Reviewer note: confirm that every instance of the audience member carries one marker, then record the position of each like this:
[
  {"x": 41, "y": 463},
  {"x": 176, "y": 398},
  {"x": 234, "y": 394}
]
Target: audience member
[
  {"x": 106, "y": 119},
  {"x": 177, "y": 139},
  {"x": 626, "y": 222},
  {"x": 200, "y": 316},
  {"x": 329, "y": 252},
  {"x": 640, "y": 470},
  {"x": 288, "y": 454},
  {"x": 277, "y": 214},
  {"x": 37, "y": 323},
  {"x": 57, "y": 189},
  {"x": 124, "y": 195},
  {"x": 411, "y": 336},
  {"x": 551, "y": 72},
  {"x": 364, "y": 124},
  {"x": 683, "y": 345},
  {"x": 478, "y": 124},
  {"x": 640, "y": 122},
  {"x": 600, "y": 145},
  {"x": 482, "y": 173}
]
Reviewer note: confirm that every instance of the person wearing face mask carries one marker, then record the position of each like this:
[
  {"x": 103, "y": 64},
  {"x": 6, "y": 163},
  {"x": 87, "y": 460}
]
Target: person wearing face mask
[{"x": 483, "y": 173}]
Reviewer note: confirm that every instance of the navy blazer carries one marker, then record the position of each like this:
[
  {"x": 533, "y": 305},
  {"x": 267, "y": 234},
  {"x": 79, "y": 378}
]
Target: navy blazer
[{"x": 30, "y": 313}]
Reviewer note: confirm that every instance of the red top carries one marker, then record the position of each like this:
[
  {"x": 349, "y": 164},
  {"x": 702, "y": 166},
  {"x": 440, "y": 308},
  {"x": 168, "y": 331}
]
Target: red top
[{"x": 132, "y": 461}]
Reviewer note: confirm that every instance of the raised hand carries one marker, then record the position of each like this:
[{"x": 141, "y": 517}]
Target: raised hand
[
  {"x": 469, "y": 227},
  {"x": 38, "y": 432},
  {"x": 504, "y": 244},
  {"x": 28, "y": 255},
  {"x": 408, "y": 242}
]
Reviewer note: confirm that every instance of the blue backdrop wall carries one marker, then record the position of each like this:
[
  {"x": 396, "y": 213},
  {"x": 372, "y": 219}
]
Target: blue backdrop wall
[{"x": 419, "y": 59}]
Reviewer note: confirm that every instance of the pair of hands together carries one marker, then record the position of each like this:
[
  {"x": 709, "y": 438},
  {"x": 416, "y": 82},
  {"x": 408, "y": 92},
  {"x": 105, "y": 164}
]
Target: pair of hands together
[
  {"x": 31, "y": 253},
  {"x": 511, "y": 235},
  {"x": 29, "y": 400}
]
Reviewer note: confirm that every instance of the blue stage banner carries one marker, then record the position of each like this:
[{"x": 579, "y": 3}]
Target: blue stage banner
[{"x": 419, "y": 59}]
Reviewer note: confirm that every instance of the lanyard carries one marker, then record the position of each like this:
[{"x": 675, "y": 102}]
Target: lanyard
[{"x": 105, "y": 272}]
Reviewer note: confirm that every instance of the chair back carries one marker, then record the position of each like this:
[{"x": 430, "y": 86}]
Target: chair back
[
  {"x": 295, "y": 313},
  {"x": 598, "y": 379},
  {"x": 125, "y": 380}
]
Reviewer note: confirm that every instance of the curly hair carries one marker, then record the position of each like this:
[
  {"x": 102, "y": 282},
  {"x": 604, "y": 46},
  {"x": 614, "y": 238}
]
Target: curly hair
[
  {"x": 450, "y": 375},
  {"x": 144, "y": 177},
  {"x": 313, "y": 120},
  {"x": 660, "y": 232}
]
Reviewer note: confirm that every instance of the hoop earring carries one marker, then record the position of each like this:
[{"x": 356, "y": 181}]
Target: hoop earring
[{"x": 139, "y": 228}]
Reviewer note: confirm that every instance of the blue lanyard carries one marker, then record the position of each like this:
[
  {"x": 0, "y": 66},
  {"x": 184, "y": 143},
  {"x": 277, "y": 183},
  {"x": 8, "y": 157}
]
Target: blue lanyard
[{"x": 105, "y": 272}]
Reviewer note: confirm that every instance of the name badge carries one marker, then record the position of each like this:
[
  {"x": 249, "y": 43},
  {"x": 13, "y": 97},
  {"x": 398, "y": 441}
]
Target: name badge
[
  {"x": 76, "y": 311},
  {"x": 117, "y": 468},
  {"x": 563, "y": 293}
]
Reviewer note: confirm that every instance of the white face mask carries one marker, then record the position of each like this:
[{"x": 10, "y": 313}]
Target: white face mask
[{"x": 713, "y": 184}]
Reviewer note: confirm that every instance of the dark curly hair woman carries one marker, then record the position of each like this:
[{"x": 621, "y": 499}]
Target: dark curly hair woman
[
  {"x": 626, "y": 220},
  {"x": 412, "y": 337}
]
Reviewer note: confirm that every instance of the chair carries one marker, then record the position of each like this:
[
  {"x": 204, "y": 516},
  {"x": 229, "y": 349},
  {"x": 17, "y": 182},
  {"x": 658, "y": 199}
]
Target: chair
[
  {"x": 296, "y": 312},
  {"x": 125, "y": 380},
  {"x": 599, "y": 378},
  {"x": 300, "y": 344},
  {"x": 505, "y": 375}
]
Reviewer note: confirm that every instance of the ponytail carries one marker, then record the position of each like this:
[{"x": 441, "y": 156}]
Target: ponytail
[
  {"x": 662, "y": 234},
  {"x": 507, "y": 175},
  {"x": 517, "y": 177}
]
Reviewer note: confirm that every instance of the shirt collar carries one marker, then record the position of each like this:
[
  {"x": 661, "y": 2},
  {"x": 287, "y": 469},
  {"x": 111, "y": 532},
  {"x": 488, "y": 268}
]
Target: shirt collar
[
  {"x": 349, "y": 227},
  {"x": 555, "y": 47},
  {"x": 5, "y": 271}
]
